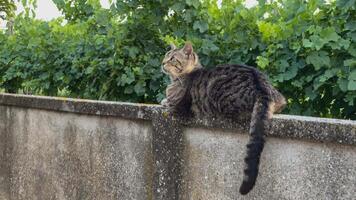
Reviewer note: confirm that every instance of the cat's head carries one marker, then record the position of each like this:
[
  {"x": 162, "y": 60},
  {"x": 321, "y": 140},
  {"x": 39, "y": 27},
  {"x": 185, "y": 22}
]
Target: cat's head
[{"x": 179, "y": 62}]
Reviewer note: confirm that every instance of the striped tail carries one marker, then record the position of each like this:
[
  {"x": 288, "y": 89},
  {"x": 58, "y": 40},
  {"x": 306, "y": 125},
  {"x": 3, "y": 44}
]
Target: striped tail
[{"x": 259, "y": 120}]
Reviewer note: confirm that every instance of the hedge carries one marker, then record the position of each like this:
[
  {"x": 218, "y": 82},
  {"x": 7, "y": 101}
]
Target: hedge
[{"x": 308, "y": 49}]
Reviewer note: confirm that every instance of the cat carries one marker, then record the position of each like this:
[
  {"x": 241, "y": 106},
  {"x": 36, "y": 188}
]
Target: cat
[{"x": 226, "y": 91}]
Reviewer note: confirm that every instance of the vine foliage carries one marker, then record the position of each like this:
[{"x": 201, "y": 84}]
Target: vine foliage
[{"x": 308, "y": 49}]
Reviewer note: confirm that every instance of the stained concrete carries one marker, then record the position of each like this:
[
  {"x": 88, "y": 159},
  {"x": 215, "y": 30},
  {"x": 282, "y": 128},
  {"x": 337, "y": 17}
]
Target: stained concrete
[
  {"x": 290, "y": 169},
  {"x": 286, "y": 126},
  {"x": 54, "y": 156},
  {"x": 60, "y": 148}
]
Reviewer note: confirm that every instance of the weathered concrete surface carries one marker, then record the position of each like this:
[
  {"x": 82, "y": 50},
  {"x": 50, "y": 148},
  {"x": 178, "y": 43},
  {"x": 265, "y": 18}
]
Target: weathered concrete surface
[
  {"x": 168, "y": 145},
  {"x": 290, "y": 169},
  {"x": 287, "y": 126},
  {"x": 60, "y": 148},
  {"x": 51, "y": 155}
]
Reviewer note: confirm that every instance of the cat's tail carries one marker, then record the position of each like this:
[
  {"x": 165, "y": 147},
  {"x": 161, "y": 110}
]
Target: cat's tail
[{"x": 258, "y": 126}]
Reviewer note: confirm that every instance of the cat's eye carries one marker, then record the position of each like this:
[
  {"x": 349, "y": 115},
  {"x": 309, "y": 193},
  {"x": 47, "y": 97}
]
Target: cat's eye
[{"x": 171, "y": 47}]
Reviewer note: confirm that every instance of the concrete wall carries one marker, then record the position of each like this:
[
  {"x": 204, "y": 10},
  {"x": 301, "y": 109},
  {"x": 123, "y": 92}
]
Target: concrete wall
[
  {"x": 56, "y": 148},
  {"x": 290, "y": 169},
  {"x": 52, "y": 155}
]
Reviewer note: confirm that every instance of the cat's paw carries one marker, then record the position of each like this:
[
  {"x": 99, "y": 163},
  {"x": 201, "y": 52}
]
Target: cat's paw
[{"x": 164, "y": 103}]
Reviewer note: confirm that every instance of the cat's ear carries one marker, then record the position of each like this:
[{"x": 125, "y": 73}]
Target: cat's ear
[{"x": 188, "y": 48}]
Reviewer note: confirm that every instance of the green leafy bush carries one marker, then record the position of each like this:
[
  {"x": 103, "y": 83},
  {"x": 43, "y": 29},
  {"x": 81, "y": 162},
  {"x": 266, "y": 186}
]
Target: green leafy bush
[{"x": 307, "y": 49}]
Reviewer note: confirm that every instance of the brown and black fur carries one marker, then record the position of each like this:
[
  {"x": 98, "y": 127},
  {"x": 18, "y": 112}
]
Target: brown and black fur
[{"x": 224, "y": 91}]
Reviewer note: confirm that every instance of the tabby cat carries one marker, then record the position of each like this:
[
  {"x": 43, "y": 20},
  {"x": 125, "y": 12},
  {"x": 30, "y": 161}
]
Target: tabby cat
[{"x": 224, "y": 91}]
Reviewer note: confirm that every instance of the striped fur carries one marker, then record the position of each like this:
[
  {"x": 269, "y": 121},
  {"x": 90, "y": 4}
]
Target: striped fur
[{"x": 226, "y": 91}]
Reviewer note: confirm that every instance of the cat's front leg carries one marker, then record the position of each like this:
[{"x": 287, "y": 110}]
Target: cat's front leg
[
  {"x": 164, "y": 103},
  {"x": 169, "y": 104}
]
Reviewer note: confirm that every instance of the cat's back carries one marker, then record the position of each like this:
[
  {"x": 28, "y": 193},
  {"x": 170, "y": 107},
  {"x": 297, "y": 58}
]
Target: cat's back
[
  {"x": 231, "y": 74},
  {"x": 229, "y": 68},
  {"x": 225, "y": 89},
  {"x": 226, "y": 71}
]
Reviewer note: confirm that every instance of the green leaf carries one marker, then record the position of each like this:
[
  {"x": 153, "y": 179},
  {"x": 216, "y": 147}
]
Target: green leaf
[
  {"x": 318, "y": 59},
  {"x": 244, "y": 13},
  {"x": 262, "y": 62},
  {"x": 139, "y": 88},
  {"x": 350, "y": 98},
  {"x": 128, "y": 90},
  {"x": 282, "y": 65},
  {"x": 188, "y": 16},
  {"x": 209, "y": 46},
  {"x": 351, "y": 26},
  {"x": 291, "y": 73},
  {"x": 351, "y": 85},
  {"x": 194, "y": 3},
  {"x": 317, "y": 41},
  {"x": 89, "y": 70},
  {"x": 341, "y": 43},
  {"x": 352, "y": 75},
  {"x": 343, "y": 84},
  {"x": 344, "y": 43},
  {"x": 201, "y": 26},
  {"x": 127, "y": 79},
  {"x": 269, "y": 30},
  {"x": 310, "y": 92},
  {"x": 352, "y": 80},
  {"x": 352, "y": 36},
  {"x": 329, "y": 34},
  {"x": 298, "y": 83},
  {"x": 352, "y": 50},
  {"x": 154, "y": 62},
  {"x": 133, "y": 51},
  {"x": 307, "y": 43},
  {"x": 154, "y": 85},
  {"x": 350, "y": 62},
  {"x": 328, "y": 74},
  {"x": 178, "y": 7},
  {"x": 346, "y": 4}
]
